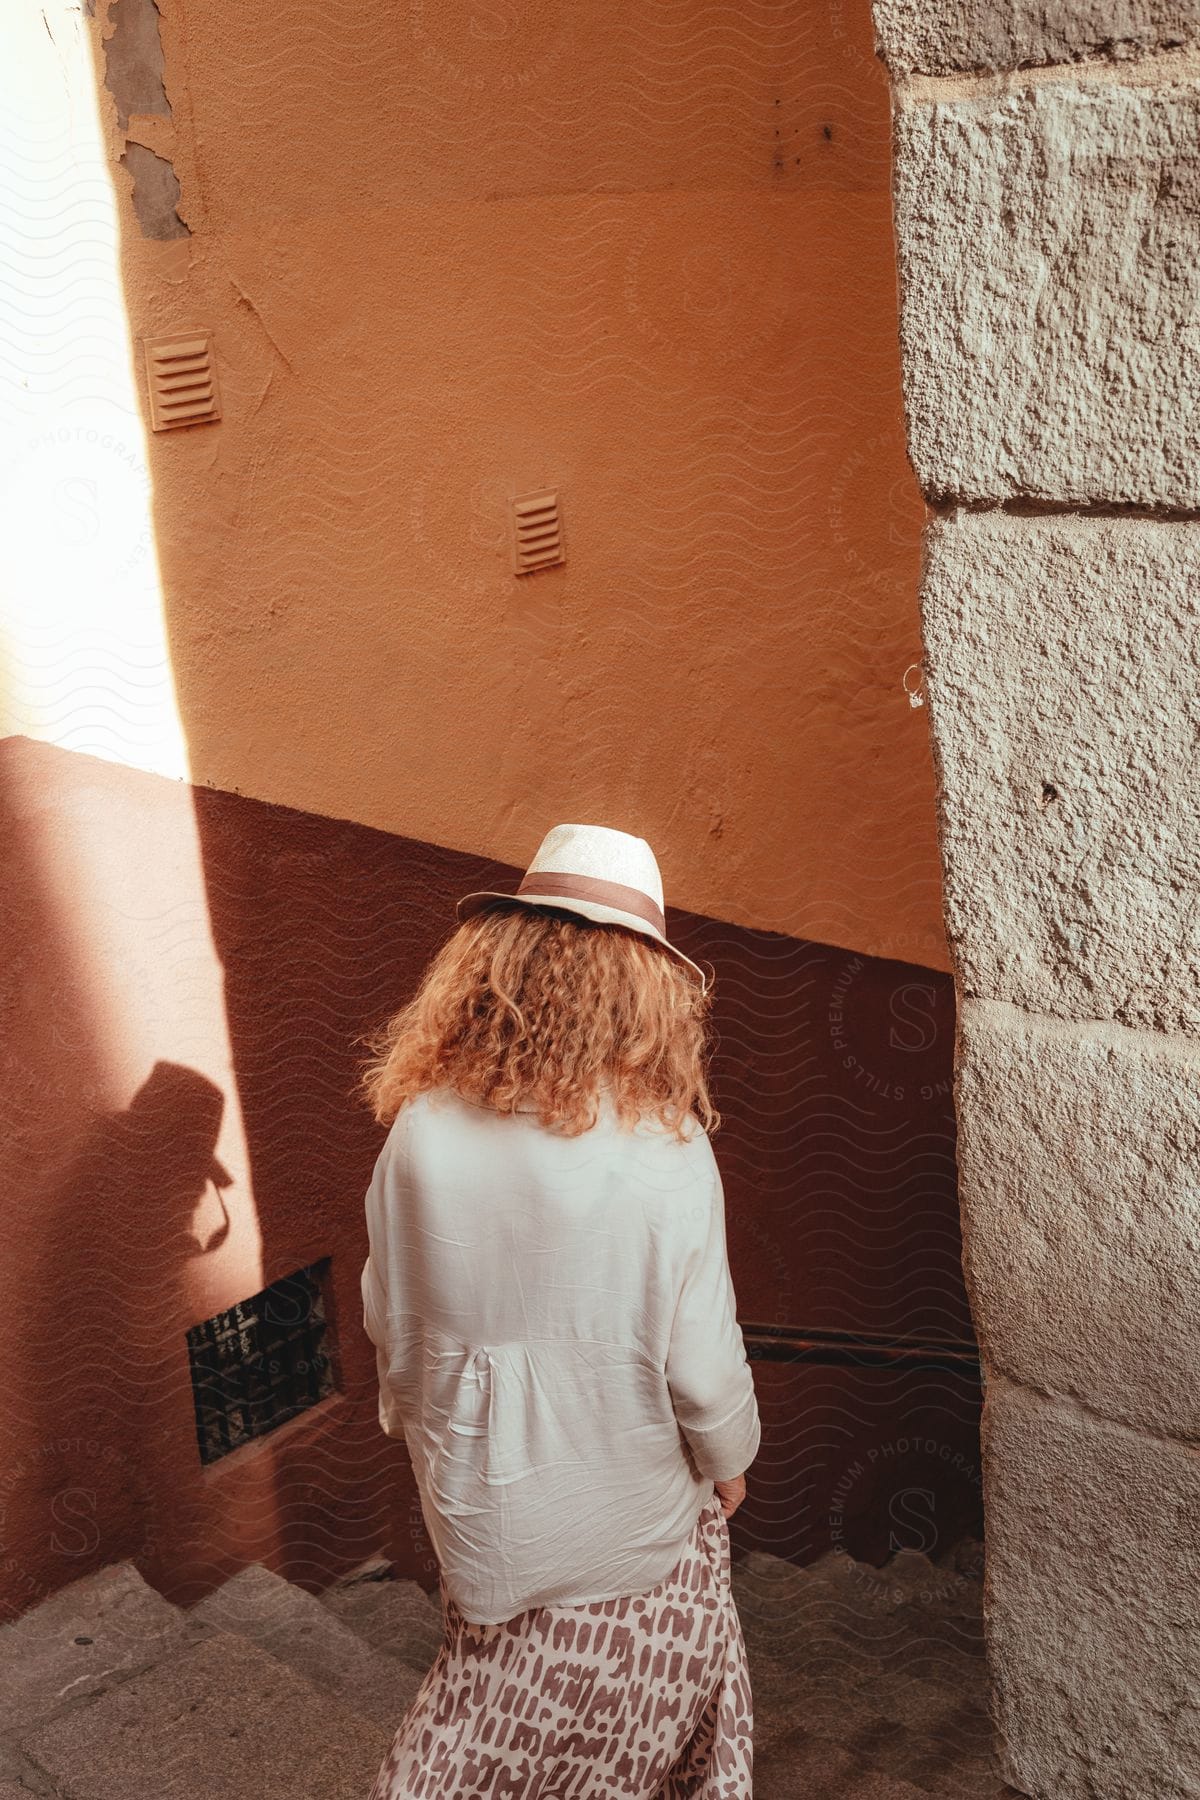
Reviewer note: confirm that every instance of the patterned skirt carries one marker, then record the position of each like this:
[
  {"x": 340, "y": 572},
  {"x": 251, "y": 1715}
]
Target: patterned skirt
[{"x": 642, "y": 1698}]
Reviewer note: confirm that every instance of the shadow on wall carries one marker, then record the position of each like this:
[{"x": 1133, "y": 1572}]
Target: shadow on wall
[
  {"x": 837, "y": 1151},
  {"x": 110, "y": 1422},
  {"x": 833, "y": 1073},
  {"x": 98, "y": 1223}
]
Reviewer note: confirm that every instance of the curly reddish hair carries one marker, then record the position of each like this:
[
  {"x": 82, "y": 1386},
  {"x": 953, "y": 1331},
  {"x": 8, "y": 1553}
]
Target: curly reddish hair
[{"x": 531, "y": 1008}]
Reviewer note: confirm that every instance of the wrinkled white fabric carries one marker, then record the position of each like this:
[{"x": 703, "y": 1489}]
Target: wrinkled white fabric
[{"x": 557, "y": 1343}]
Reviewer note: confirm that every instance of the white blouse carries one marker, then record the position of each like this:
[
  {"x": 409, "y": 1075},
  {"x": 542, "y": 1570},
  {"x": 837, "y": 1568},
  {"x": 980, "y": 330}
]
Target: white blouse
[{"x": 557, "y": 1343}]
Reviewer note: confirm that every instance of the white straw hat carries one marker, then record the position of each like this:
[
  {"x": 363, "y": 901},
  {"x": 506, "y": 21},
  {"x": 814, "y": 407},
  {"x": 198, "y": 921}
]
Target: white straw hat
[{"x": 606, "y": 876}]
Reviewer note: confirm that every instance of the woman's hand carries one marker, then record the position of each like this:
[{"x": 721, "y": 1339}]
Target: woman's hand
[{"x": 731, "y": 1493}]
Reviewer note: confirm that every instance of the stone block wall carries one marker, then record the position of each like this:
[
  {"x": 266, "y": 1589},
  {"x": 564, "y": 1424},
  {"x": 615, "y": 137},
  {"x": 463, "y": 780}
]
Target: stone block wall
[{"x": 1047, "y": 217}]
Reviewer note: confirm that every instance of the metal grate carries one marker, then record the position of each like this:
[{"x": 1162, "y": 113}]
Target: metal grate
[{"x": 260, "y": 1363}]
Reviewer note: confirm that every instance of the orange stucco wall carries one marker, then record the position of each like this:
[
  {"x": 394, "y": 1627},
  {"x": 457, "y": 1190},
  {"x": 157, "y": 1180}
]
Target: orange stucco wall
[{"x": 641, "y": 254}]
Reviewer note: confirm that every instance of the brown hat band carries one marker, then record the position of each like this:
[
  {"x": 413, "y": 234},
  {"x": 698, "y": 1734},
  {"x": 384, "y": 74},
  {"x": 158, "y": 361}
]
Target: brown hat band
[{"x": 603, "y": 893}]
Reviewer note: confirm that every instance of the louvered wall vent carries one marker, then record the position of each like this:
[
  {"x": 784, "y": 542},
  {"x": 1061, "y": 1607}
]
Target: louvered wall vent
[
  {"x": 537, "y": 532},
  {"x": 182, "y": 380}
]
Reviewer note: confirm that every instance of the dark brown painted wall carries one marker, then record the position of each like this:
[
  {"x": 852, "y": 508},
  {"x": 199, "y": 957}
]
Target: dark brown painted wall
[{"x": 195, "y": 912}]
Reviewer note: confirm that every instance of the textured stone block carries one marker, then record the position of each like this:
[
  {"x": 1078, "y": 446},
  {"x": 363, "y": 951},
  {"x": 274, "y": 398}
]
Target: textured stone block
[
  {"x": 1093, "y": 1568},
  {"x": 223, "y": 1721},
  {"x": 397, "y": 1617},
  {"x": 938, "y": 39},
  {"x": 804, "y": 1766},
  {"x": 1048, "y": 244},
  {"x": 296, "y": 1627},
  {"x": 1079, "y": 1159},
  {"x": 14, "y": 1790},
  {"x": 83, "y": 1640},
  {"x": 1062, "y": 659}
]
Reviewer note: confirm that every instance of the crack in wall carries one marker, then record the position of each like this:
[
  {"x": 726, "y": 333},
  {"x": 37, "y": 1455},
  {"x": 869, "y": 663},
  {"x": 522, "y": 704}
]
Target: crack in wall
[
  {"x": 945, "y": 505},
  {"x": 1068, "y": 1399},
  {"x": 1164, "y": 65}
]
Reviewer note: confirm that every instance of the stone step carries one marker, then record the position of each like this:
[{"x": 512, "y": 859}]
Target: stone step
[
  {"x": 841, "y": 1646},
  {"x": 221, "y": 1719},
  {"x": 17, "y": 1772},
  {"x": 930, "y": 1737},
  {"x": 942, "y": 1766},
  {"x": 887, "y": 1662},
  {"x": 856, "y": 1613},
  {"x": 908, "y": 1591},
  {"x": 396, "y": 1617},
  {"x": 82, "y": 1641},
  {"x": 801, "y": 1766},
  {"x": 295, "y": 1626},
  {"x": 956, "y": 1579},
  {"x": 830, "y": 1682},
  {"x": 903, "y": 1762},
  {"x": 863, "y": 1689},
  {"x": 849, "y": 1671},
  {"x": 377, "y": 1567},
  {"x": 884, "y": 1666}
]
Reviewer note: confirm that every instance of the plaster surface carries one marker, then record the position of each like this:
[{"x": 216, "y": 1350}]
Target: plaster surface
[{"x": 644, "y": 259}]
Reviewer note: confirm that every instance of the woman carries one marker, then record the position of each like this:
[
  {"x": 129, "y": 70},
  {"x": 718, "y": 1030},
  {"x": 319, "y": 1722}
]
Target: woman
[{"x": 557, "y": 1343}]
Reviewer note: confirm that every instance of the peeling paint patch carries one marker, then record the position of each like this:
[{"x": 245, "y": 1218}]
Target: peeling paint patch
[
  {"x": 134, "y": 74},
  {"x": 133, "y": 55},
  {"x": 155, "y": 193}
]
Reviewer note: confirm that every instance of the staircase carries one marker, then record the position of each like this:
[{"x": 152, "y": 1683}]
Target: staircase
[{"x": 869, "y": 1684}]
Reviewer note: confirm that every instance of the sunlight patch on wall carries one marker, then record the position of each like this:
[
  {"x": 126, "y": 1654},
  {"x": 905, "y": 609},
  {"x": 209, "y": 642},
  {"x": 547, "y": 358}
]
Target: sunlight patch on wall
[
  {"x": 83, "y": 648},
  {"x": 112, "y": 855}
]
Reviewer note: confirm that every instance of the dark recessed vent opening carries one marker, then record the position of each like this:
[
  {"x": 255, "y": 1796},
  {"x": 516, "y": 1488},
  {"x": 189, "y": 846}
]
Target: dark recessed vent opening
[{"x": 260, "y": 1363}]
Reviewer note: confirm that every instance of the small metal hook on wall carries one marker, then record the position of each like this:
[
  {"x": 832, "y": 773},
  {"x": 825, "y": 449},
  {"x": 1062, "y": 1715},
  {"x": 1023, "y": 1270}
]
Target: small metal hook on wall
[{"x": 915, "y": 691}]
